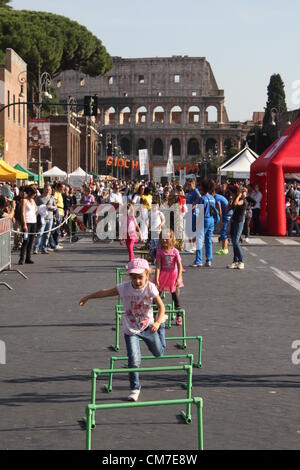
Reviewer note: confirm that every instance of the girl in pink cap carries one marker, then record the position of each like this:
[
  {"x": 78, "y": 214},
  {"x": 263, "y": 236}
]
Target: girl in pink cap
[
  {"x": 168, "y": 275},
  {"x": 137, "y": 296}
]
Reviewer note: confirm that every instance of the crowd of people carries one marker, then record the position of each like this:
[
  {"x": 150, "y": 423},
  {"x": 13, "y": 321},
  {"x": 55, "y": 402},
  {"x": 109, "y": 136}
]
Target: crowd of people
[{"x": 41, "y": 218}]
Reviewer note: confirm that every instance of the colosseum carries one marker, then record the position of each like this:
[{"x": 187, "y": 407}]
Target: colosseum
[{"x": 156, "y": 103}]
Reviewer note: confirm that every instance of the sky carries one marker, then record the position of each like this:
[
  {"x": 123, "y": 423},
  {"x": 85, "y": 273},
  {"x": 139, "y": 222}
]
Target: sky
[{"x": 245, "y": 41}]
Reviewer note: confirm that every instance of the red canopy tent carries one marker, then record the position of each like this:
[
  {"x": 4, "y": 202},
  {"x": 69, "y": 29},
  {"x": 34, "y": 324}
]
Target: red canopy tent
[{"x": 269, "y": 170}]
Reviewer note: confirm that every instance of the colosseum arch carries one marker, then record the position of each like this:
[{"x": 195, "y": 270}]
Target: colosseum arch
[
  {"x": 141, "y": 115},
  {"x": 193, "y": 148},
  {"x": 176, "y": 145},
  {"x": 158, "y": 115},
  {"x": 110, "y": 116},
  {"x": 194, "y": 115},
  {"x": 210, "y": 144},
  {"x": 212, "y": 114},
  {"x": 125, "y": 116},
  {"x": 176, "y": 115},
  {"x": 158, "y": 148},
  {"x": 141, "y": 145},
  {"x": 125, "y": 145}
]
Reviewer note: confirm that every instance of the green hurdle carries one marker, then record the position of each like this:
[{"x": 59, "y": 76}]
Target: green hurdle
[
  {"x": 187, "y": 416},
  {"x": 108, "y": 388},
  {"x": 92, "y": 408}
]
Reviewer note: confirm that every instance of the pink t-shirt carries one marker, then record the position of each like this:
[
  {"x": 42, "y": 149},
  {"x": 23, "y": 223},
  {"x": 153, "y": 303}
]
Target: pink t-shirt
[
  {"x": 168, "y": 259},
  {"x": 138, "y": 307}
]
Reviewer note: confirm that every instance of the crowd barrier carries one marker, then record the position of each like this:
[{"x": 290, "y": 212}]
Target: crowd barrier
[{"x": 5, "y": 250}]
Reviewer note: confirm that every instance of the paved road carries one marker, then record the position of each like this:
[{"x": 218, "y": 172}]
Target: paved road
[{"x": 248, "y": 320}]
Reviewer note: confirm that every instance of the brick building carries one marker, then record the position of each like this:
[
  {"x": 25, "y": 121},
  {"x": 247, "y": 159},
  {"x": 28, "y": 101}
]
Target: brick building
[
  {"x": 157, "y": 102},
  {"x": 73, "y": 143},
  {"x": 13, "y": 121}
]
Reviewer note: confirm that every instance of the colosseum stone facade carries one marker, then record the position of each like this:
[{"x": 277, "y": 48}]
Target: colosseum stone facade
[{"x": 154, "y": 103}]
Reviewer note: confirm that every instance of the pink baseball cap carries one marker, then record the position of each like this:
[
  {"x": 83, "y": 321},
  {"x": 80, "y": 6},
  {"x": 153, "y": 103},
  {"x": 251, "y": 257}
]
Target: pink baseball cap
[{"x": 138, "y": 266}]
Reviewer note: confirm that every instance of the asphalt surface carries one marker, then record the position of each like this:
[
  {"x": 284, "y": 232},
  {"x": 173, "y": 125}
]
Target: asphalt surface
[{"x": 248, "y": 319}]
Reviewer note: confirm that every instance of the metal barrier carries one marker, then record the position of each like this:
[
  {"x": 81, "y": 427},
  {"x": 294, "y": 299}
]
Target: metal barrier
[
  {"x": 91, "y": 409},
  {"x": 5, "y": 250},
  {"x": 78, "y": 212}
]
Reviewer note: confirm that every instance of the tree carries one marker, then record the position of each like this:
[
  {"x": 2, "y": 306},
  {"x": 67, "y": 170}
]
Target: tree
[
  {"x": 276, "y": 99},
  {"x": 54, "y": 41},
  {"x": 4, "y": 4}
]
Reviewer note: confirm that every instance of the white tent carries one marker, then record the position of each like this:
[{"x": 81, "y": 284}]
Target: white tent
[
  {"x": 78, "y": 178},
  {"x": 239, "y": 166},
  {"x": 55, "y": 172}
]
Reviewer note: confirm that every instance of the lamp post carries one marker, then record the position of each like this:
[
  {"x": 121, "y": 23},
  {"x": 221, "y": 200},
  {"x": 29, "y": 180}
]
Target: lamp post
[{"x": 72, "y": 103}]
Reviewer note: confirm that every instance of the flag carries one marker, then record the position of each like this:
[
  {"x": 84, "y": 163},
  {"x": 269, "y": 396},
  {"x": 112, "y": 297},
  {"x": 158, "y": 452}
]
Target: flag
[
  {"x": 170, "y": 164},
  {"x": 144, "y": 162}
]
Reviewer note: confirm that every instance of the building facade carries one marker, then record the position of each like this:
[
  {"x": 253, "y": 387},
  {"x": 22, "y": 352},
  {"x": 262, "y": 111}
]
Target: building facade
[
  {"x": 13, "y": 121},
  {"x": 73, "y": 143},
  {"x": 154, "y": 103}
]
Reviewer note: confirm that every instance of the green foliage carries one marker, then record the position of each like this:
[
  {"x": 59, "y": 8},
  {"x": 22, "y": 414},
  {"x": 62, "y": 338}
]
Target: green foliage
[
  {"x": 230, "y": 153},
  {"x": 276, "y": 98},
  {"x": 5, "y": 4},
  {"x": 55, "y": 41}
]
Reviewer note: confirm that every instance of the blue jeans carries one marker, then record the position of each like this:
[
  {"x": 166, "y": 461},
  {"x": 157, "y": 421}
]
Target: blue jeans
[
  {"x": 236, "y": 233},
  {"x": 209, "y": 226},
  {"x": 156, "y": 344},
  {"x": 224, "y": 230},
  {"x": 43, "y": 237}
]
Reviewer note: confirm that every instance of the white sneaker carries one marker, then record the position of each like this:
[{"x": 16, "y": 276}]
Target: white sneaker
[
  {"x": 59, "y": 247},
  {"x": 134, "y": 395},
  {"x": 232, "y": 266},
  {"x": 240, "y": 266},
  {"x": 247, "y": 240}
]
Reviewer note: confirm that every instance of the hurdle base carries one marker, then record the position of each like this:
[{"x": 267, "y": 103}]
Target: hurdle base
[
  {"x": 187, "y": 419},
  {"x": 107, "y": 389}
]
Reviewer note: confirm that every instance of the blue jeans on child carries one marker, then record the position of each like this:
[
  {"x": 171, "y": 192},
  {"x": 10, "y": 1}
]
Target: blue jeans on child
[
  {"x": 156, "y": 344},
  {"x": 209, "y": 226},
  {"x": 236, "y": 233}
]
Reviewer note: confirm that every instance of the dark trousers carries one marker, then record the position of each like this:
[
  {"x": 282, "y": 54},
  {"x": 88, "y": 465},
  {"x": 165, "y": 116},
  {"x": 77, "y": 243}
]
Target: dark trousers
[
  {"x": 256, "y": 221},
  {"x": 246, "y": 230},
  {"x": 175, "y": 299},
  {"x": 26, "y": 249}
]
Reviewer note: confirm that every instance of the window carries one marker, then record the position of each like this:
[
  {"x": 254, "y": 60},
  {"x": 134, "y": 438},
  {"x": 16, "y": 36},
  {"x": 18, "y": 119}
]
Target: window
[
  {"x": 176, "y": 78},
  {"x": 141, "y": 79},
  {"x": 14, "y": 111},
  {"x": 110, "y": 80},
  {"x": 125, "y": 94},
  {"x": 159, "y": 93},
  {"x": 8, "y": 102},
  {"x": 194, "y": 93}
]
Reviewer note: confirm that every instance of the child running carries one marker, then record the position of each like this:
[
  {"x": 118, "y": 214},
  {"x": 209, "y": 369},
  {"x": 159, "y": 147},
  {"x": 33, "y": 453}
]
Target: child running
[
  {"x": 137, "y": 296},
  {"x": 168, "y": 275},
  {"x": 133, "y": 230}
]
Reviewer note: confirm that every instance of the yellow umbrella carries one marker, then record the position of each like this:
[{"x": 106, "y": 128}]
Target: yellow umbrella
[{"x": 9, "y": 173}]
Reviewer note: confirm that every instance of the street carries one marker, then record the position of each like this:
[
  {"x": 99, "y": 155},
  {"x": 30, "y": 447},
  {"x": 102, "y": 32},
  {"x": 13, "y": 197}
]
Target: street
[{"x": 248, "y": 319}]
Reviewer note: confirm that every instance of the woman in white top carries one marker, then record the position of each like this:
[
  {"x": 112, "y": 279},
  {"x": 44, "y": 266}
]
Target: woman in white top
[
  {"x": 29, "y": 219},
  {"x": 257, "y": 196}
]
